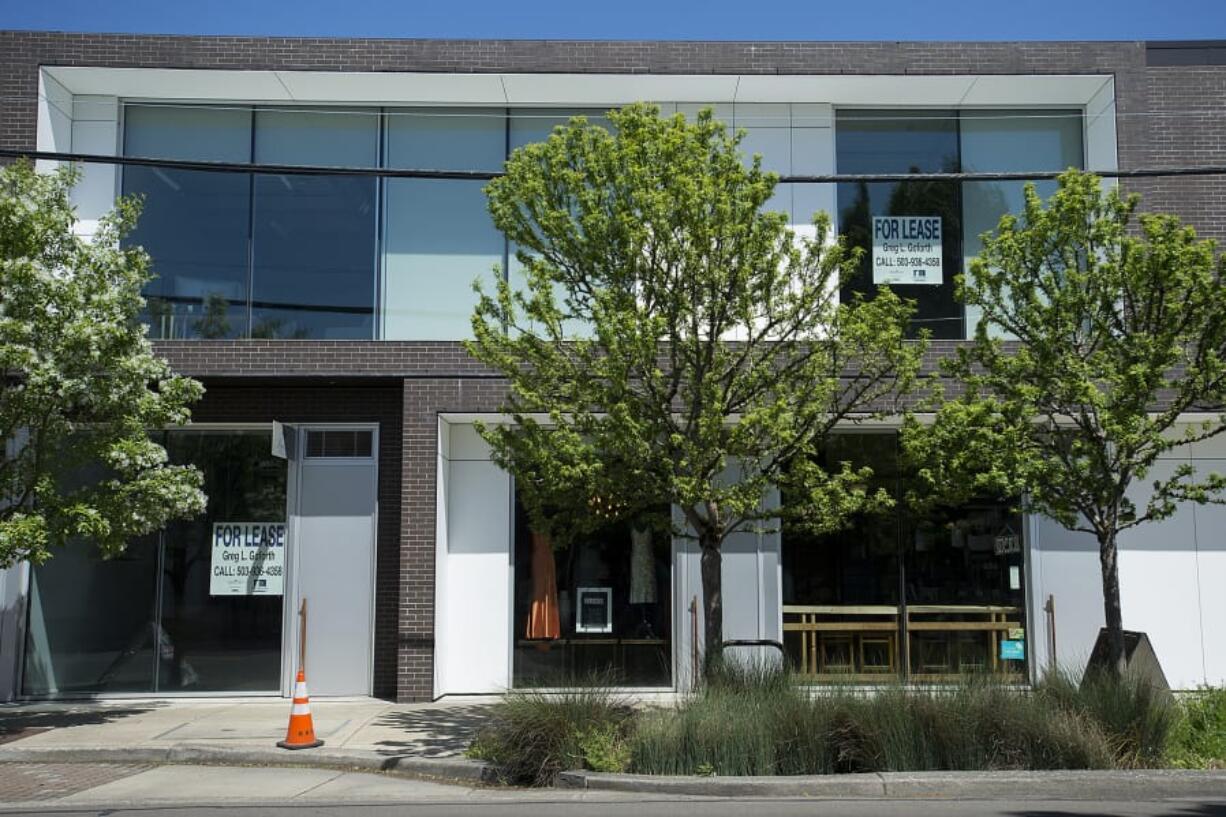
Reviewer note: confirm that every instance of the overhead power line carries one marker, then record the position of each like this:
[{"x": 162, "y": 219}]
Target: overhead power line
[{"x": 485, "y": 175}]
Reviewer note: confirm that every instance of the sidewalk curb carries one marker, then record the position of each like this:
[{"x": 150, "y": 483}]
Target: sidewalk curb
[
  {"x": 1155, "y": 784},
  {"x": 457, "y": 769}
]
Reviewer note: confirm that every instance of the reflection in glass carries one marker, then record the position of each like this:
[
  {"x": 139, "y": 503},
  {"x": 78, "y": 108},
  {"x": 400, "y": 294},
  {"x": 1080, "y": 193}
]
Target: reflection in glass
[
  {"x": 600, "y": 607},
  {"x": 962, "y": 569},
  {"x": 145, "y": 621},
  {"x": 438, "y": 236},
  {"x": 1012, "y": 142},
  {"x": 91, "y": 622},
  {"x": 223, "y": 642},
  {"x": 903, "y": 142},
  {"x": 313, "y": 257},
  {"x": 193, "y": 223}
]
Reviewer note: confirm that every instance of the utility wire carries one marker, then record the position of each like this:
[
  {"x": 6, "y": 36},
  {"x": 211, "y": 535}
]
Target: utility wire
[{"x": 485, "y": 175}]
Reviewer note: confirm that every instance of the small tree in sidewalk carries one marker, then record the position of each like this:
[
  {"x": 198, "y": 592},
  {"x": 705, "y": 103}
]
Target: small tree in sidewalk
[
  {"x": 80, "y": 387},
  {"x": 674, "y": 342},
  {"x": 1120, "y": 326}
]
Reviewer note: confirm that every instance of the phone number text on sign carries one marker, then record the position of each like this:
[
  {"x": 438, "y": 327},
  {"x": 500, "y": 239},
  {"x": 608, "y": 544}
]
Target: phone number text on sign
[
  {"x": 907, "y": 250},
  {"x": 248, "y": 559}
]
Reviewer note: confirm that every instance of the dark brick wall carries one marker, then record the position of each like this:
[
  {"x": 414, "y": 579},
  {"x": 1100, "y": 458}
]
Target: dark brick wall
[
  {"x": 265, "y": 402},
  {"x": 1186, "y": 125},
  {"x": 424, "y": 400}
]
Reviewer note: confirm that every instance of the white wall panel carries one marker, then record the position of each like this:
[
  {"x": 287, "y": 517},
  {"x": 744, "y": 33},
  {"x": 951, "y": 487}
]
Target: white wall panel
[
  {"x": 478, "y": 602},
  {"x": 1159, "y": 588},
  {"x": 54, "y": 118},
  {"x": 95, "y": 129},
  {"x": 1100, "y": 140},
  {"x": 1211, "y": 575},
  {"x": 1065, "y": 566},
  {"x": 473, "y": 632}
]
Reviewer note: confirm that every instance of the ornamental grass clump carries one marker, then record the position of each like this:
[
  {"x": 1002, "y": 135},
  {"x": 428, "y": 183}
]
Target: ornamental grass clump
[
  {"x": 1137, "y": 717},
  {"x": 533, "y": 736},
  {"x": 745, "y": 720}
]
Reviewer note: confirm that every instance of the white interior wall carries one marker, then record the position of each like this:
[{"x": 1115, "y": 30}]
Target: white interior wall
[{"x": 473, "y": 567}]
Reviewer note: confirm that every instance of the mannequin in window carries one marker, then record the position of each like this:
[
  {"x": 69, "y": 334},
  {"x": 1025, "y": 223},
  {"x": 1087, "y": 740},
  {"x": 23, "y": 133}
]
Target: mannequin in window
[{"x": 642, "y": 578}]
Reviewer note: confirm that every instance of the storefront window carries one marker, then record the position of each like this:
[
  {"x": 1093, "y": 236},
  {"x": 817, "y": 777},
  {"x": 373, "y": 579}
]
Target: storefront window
[
  {"x": 181, "y": 610},
  {"x": 893, "y": 596},
  {"x": 599, "y": 608}
]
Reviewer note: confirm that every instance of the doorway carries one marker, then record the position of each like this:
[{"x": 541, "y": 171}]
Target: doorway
[{"x": 333, "y": 509}]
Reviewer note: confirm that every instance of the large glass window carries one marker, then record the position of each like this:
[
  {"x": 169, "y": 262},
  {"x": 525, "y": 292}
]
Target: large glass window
[
  {"x": 438, "y": 236},
  {"x": 194, "y": 223},
  {"x": 903, "y": 142},
  {"x": 895, "y": 596},
  {"x": 597, "y": 608},
  {"x": 1010, "y": 142},
  {"x": 179, "y": 611},
  {"x": 930, "y": 141},
  {"x": 313, "y": 257}
]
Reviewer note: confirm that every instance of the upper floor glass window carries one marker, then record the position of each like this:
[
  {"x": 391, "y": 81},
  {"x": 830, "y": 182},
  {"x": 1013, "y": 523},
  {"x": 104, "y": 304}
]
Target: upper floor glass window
[
  {"x": 438, "y": 236},
  {"x": 194, "y": 224},
  {"x": 933, "y": 141},
  {"x": 313, "y": 237}
]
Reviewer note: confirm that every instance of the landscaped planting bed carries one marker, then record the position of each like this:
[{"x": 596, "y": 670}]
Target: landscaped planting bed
[{"x": 763, "y": 722}]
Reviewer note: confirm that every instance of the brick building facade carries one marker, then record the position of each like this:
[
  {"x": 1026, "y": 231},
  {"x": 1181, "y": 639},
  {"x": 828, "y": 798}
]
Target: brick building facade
[{"x": 1167, "y": 106}]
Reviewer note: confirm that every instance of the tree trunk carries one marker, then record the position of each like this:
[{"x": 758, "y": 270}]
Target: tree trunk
[
  {"x": 1108, "y": 558},
  {"x": 712, "y": 598}
]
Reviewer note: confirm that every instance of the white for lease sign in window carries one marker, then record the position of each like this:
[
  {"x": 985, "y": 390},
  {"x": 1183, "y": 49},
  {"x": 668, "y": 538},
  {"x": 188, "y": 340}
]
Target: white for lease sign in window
[
  {"x": 907, "y": 250},
  {"x": 248, "y": 559}
]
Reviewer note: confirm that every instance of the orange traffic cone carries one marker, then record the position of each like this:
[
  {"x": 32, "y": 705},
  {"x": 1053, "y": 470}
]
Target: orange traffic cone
[{"x": 301, "y": 734}]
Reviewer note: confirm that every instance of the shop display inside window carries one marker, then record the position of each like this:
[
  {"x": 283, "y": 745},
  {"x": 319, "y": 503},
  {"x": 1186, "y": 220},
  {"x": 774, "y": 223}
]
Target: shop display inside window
[
  {"x": 892, "y": 596},
  {"x": 598, "y": 607}
]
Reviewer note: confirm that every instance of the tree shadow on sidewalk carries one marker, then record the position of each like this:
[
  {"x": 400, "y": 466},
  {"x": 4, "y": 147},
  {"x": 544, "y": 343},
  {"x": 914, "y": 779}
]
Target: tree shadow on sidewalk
[
  {"x": 433, "y": 731},
  {"x": 24, "y": 720}
]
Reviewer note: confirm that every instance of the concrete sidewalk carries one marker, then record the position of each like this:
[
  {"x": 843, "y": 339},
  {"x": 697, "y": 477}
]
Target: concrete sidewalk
[{"x": 430, "y": 730}]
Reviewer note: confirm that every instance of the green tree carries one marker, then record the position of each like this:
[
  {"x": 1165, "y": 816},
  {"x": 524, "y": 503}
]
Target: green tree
[
  {"x": 82, "y": 387},
  {"x": 674, "y": 343},
  {"x": 1120, "y": 331}
]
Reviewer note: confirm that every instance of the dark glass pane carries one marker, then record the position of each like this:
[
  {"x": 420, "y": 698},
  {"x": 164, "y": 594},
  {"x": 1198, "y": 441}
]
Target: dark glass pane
[
  {"x": 314, "y": 236},
  {"x": 194, "y": 224},
  {"x": 841, "y": 590},
  {"x": 621, "y": 579},
  {"x": 857, "y": 565},
  {"x": 965, "y": 578},
  {"x": 903, "y": 142},
  {"x": 223, "y": 638},
  {"x": 91, "y": 626}
]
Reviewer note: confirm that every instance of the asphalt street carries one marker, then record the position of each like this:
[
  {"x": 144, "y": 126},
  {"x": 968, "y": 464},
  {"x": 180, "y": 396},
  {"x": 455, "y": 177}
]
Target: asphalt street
[{"x": 683, "y": 808}]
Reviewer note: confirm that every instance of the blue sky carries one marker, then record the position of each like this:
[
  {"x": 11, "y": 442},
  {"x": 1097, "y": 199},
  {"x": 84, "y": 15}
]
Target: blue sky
[{"x": 638, "y": 19}]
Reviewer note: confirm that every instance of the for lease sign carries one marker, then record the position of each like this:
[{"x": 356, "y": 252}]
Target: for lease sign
[
  {"x": 906, "y": 250},
  {"x": 248, "y": 559}
]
